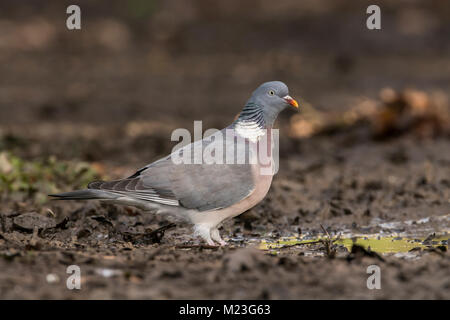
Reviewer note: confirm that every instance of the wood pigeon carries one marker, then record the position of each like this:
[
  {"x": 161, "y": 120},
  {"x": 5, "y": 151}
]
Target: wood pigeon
[{"x": 230, "y": 178}]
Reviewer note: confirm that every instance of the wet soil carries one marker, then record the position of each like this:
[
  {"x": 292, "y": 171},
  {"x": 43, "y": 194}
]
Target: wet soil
[{"x": 123, "y": 253}]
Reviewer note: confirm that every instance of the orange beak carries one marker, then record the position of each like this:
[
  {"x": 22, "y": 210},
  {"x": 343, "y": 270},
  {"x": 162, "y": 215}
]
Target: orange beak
[{"x": 291, "y": 101}]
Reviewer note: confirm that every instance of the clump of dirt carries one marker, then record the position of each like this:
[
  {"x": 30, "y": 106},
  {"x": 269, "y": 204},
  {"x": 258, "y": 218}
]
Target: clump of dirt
[
  {"x": 426, "y": 115},
  {"x": 409, "y": 111}
]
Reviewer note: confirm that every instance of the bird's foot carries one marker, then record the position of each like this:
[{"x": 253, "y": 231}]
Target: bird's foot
[
  {"x": 222, "y": 243},
  {"x": 204, "y": 232},
  {"x": 215, "y": 235},
  {"x": 209, "y": 235}
]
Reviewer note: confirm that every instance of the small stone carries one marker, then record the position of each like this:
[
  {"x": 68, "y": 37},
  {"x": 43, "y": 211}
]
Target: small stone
[
  {"x": 52, "y": 278},
  {"x": 30, "y": 221}
]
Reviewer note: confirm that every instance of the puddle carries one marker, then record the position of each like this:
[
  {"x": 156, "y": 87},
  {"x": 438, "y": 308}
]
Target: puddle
[
  {"x": 374, "y": 242},
  {"x": 416, "y": 235}
]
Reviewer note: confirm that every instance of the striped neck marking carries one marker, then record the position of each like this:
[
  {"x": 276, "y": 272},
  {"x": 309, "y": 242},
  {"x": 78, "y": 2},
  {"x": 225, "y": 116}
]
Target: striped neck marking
[{"x": 250, "y": 124}]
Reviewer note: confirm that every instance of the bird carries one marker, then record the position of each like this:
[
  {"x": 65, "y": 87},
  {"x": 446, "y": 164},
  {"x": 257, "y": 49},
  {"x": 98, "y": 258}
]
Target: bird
[{"x": 206, "y": 194}]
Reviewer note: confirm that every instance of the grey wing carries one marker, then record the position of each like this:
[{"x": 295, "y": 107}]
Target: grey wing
[
  {"x": 192, "y": 186},
  {"x": 137, "y": 187},
  {"x": 211, "y": 187}
]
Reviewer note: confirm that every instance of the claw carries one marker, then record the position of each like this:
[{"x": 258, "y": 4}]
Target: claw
[
  {"x": 215, "y": 235},
  {"x": 222, "y": 243}
]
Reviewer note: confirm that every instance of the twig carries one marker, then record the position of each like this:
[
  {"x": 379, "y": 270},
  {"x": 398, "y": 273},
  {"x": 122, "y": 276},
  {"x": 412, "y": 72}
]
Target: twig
[
  {"x": 299, "y": 244},
  {"x": 331, "y": 251},
  {"x": 196, "y": 246}
]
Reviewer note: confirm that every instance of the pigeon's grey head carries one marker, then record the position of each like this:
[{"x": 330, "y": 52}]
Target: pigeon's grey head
[{"x": 271, "y": 98}]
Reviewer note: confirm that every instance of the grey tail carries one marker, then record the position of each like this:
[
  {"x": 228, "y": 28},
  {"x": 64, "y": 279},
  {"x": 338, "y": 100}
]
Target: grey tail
[{"x": 86, "y": 194}]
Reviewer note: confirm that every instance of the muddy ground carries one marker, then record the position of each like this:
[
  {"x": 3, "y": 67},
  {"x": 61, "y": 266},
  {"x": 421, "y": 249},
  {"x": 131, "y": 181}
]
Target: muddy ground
[{"x": 367, "y": 154}]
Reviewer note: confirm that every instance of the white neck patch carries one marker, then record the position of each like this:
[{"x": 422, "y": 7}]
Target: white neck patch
[{"x": 250, "y": 130}]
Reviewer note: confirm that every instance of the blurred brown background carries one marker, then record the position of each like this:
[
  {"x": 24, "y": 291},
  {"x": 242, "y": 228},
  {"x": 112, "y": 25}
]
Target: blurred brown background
[
  {"x": 112, "y": 92},
  {"x": 184, "y": 60}
]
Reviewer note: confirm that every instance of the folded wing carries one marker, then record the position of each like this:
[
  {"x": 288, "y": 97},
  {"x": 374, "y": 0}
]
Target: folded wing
[{"x": 192, "y": 186}]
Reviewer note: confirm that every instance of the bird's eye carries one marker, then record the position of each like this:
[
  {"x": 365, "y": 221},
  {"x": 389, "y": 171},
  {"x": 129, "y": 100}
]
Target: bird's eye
[{"x": 271, "y": 93}]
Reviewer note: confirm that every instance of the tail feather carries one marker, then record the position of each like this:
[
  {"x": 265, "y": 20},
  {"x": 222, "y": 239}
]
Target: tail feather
[{"x": 86, "y": 194}]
